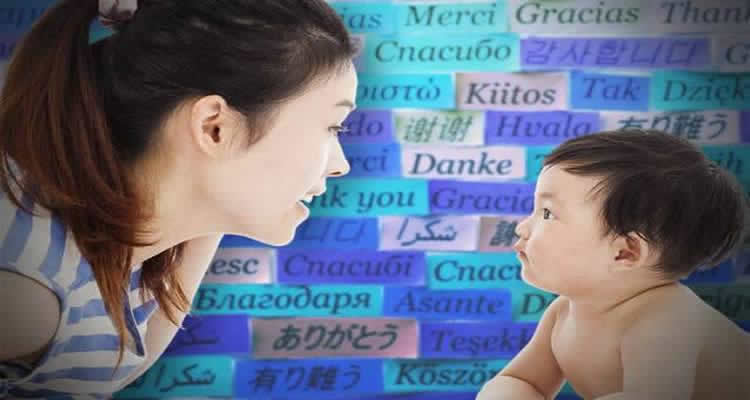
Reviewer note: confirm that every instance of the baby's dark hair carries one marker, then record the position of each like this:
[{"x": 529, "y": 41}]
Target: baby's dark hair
[{"x": 664, "y": 189}]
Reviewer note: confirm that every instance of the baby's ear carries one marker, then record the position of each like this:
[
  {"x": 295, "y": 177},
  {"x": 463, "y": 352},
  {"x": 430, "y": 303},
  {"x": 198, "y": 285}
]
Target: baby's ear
[{"x": 631, "y": 251}]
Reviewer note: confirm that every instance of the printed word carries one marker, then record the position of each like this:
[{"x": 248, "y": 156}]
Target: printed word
[
  {"x": 498, "y": 234},
  {"x": 411, "y": 91},
  {"x": 360, "y": 340},
  {"x": 337, "y": 232},
  {"x": 495, "y": 163},
  {"x": 538, "y": 128},
  {"x": 451, "y": 235},
  {"x": 205, "y": 334},
  {"x": 732, "y": 52},
  {"x": 306, "y": 377},
  {"x": 368, "y": 126},
  {"x": 323, "y": 266},
  {"x": 507, "y": 93},
  {"x": 738, "y": 53},
  {"x": 473, "y": 339},
  {"x": 458, "y": 233},
  {"x": 477, "y": 17},
  {"x": 312, "y": 337},
  {"x": 687, "y": 12},
  {"x": 609, "y": 92},
  {"x": 473, "y": 270},
  {"x": 466, "y": 304},
  {"x": 537, "y": 12},
  {"x": 388, "y": 54},
  {"x": 620, "y": 53},
  {"x": 183, "y": 376},
  {"x": 371, "y": 159},
  {"x": 434, "y": 375},
  {"x": 372, "y": 197},
  {"x": 677, "y": 90},
  {"x": 367, "y": 18},
  {"x": 529, "y": 303},
  {"x": 498, "y": 91},
  {"x": 235, "y": 266},
  {"x": 261, "y": 300},
  {"x": 440, "y": 127},
  {"x": 700, "y": 127},
  {"x": 240, "y": 265},
  {"x": 481, "y": 198}
]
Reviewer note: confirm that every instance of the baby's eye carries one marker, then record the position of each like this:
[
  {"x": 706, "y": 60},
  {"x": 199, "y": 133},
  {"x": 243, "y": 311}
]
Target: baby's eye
[
  {"x": 546, "y": 213},
  {"x": 338, "y": 129}
]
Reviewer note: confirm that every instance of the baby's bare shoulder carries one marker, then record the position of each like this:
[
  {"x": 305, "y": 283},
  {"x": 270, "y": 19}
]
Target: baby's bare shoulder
[
  {"x": 673, "y": 309},
  {"x": 673, "y": 331},
  {"x": 679, "y": 312}
]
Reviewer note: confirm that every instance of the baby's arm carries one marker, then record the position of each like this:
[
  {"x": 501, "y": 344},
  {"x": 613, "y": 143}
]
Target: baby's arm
[
  {"x": 534, "y": 373},
  {"x": 659, "y": 361}
]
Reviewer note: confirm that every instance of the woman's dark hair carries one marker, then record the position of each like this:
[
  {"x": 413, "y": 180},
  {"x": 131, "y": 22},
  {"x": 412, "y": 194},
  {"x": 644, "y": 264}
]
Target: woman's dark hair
[
  {"x": 664, "y": 189},
  {"x": 76, "y": 116}
]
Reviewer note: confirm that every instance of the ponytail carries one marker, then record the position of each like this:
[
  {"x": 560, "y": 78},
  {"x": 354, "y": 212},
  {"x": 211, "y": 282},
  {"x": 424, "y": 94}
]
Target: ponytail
[
  {"x": 76, "y": 117},
  {"x": 54, "y": 129}
]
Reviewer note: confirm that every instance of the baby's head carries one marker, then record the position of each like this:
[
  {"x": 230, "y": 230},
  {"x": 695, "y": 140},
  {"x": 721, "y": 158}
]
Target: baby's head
[{"x": 625, "y": 199}]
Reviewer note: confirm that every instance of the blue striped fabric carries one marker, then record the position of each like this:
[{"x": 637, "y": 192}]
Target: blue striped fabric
[{"x": 80, "y": 362}]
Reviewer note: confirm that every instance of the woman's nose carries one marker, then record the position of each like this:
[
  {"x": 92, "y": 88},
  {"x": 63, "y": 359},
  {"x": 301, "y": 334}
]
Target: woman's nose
[{"x": 338, "y": 165}]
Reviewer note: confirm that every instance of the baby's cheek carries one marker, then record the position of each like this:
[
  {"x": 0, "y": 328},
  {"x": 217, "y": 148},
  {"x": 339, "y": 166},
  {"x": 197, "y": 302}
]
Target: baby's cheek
[
  {"x": 560, "y": 246},
  {"x": 538, "y": 247}
]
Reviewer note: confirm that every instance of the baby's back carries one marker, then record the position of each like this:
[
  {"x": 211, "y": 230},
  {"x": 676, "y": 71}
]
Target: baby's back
[
  {"x": 724, "y": 362},
  {"x": 673, "y": 311},
  {"x": 724, "y": 357}
]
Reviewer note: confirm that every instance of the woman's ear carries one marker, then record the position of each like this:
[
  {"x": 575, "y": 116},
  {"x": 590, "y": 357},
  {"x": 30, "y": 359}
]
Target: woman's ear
[{"x": 212, "y": 125}]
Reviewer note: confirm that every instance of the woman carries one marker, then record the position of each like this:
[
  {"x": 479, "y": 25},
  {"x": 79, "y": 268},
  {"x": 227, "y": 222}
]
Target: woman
[{"x": 124, "y": 161}]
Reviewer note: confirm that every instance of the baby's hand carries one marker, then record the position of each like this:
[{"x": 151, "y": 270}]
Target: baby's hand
[
  {"x": 506, "y": 387},
  {"x": 533, "y": 374}
]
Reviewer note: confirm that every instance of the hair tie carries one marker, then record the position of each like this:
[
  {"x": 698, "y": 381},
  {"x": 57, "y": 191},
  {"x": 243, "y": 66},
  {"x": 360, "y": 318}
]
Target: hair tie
[{"x": 114, "y": 12}]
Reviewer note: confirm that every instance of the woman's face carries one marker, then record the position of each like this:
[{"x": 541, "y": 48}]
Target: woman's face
[{"x": 258, "y": 192}]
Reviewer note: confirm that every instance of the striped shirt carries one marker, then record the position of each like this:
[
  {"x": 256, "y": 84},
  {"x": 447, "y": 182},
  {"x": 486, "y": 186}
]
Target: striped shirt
[{"x": 84, "y": 351}]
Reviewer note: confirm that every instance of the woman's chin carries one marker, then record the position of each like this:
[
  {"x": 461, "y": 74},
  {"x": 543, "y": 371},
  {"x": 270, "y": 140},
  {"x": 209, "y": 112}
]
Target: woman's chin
[{"x": 281, "y": 231}]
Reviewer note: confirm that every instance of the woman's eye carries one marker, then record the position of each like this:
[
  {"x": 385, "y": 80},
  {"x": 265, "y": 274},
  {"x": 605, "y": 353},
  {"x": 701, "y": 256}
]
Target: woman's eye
[
  {"x": 546, "y": 213},
  {"x": 338, "y": 129}
]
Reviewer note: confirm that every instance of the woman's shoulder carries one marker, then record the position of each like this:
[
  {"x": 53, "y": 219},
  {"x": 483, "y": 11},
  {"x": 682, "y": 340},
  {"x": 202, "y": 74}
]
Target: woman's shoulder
[
  {"x": 37, "y": 245},
  {"x": 23, "y": 338}
]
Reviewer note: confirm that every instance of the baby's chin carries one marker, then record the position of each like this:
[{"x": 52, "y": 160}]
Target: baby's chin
[
  {"x": 529, "y": 277},
  {"x": 530, "y": 281}
]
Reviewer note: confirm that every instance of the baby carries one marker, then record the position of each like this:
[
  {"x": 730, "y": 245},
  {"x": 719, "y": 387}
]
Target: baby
[{"x": 619, "y": 218}]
